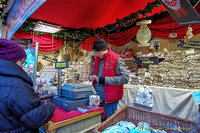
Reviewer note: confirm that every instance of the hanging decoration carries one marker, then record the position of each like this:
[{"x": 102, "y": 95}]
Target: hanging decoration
[
  {"x": 144, "y": 34},
  {"x": 188, "y": 36},
  {"x": 189, "y": 33}
]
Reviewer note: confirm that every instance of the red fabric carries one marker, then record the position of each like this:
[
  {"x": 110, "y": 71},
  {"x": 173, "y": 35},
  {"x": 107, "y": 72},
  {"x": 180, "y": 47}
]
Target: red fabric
[
  {"x": 87, "y": 44},
  {"x": 117, "y": 39},
  {"x": 163, "y": 27},
  {"x": 46, "y": 42},
  {"x": 61, "y": 115},
  {"x": 121, "y": 38},
  {"x": 88, "y": 14},
  {"x": 160, "y": 28},
  {"x": 113, "y": 93}
]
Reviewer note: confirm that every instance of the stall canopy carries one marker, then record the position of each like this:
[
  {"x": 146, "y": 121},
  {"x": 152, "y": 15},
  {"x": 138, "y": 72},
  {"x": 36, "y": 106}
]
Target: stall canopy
[{"x": 91, "y": 14}]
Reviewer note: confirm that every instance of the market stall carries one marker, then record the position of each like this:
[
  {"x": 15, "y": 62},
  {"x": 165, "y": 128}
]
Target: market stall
[{"x": 162, "y": 57}]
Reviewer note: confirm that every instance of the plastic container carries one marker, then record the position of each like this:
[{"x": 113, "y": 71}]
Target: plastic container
[
  {"x": 68, "y": 104},
  {"x": 77, "y": 91}
]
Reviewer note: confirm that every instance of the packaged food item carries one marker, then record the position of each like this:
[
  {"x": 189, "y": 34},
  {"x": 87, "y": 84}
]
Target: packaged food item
[
  {"x": 127, "y": 124},
  {"x": 142, "y": 127},
  {"x": 158, "y": 131},
  {"x": 120, "y": 127},
  {"x": 84, "y": 109},
  {"x": 94, "y": 100}
]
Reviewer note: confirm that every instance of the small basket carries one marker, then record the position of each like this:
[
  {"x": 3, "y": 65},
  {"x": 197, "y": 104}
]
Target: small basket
[{"x": 156, "y": 120}]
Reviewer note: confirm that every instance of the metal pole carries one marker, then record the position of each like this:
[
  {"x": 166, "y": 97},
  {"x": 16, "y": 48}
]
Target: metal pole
[
  {"x": 35, "y": 64},
  {"x": 59, "y": 81}
]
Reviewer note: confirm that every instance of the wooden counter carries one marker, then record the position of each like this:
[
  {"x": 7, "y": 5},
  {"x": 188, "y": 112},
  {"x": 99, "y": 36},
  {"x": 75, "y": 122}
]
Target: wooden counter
[{"x": 78, "y": 124}]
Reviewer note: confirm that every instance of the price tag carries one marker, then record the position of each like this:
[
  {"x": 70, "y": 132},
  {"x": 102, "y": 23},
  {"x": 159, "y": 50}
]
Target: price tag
[{"x": 196, "y": 97}]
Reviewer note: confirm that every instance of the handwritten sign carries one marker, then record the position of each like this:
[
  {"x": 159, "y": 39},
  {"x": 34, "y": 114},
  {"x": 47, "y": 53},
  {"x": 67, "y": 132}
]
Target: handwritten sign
[
  {"x": 21, "y": 10},
  {"x": 196, "y": 97},
  {"x": 192, "y": 44},
  {"x": 147, "y": 60}
]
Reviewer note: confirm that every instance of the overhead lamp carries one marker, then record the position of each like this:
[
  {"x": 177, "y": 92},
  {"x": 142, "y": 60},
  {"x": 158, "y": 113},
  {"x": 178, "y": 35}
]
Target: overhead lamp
[{"x": 46, "y": 27}]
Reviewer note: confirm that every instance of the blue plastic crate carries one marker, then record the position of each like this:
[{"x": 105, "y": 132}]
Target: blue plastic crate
[
  {"x": 68, "y": 104},
  {"x": 77, "y": 91}
]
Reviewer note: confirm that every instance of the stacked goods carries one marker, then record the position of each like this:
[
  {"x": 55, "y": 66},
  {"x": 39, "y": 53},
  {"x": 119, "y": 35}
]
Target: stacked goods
[
  {"x": 180, "y": 69},
  {"x": 133, "y": 79},
  {"x": 78, "y": 72},
  {"x": 139, "y": 79},
  {"x": 69, "y": 75},
  {"x": 141, "y": 72},
  {"x": 130, "y": 65},
  {"x": 148, "y": 80}
]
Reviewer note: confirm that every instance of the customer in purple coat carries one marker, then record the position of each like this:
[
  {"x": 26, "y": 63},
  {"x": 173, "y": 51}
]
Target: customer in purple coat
[{"x": 21, "y": 110}]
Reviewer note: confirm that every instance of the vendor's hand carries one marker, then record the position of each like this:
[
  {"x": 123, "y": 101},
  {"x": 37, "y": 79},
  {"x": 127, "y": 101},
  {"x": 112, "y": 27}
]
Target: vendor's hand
[{"x": 92, "y": 78}]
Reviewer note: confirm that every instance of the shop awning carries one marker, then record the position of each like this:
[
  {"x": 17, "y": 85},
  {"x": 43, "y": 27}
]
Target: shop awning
[{"x": 89, "y": 14}]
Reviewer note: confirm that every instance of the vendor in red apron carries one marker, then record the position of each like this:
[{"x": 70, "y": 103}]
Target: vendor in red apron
[{"x": 108, "y": 76}]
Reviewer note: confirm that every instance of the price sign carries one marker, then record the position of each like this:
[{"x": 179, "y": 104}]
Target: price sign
[
  {"x": 147, "y": 60},
  {"x": 61, "y": 64}
]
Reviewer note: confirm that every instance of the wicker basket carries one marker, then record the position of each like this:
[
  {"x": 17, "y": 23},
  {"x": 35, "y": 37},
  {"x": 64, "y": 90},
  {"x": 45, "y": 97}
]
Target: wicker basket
[{"x": 156, "y": 120}]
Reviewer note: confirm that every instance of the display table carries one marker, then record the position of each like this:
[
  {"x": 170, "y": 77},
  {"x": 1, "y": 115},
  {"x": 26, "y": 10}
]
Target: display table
[
  {"x": 166, "y": 100},
  {"x": 74, "y": 121}
]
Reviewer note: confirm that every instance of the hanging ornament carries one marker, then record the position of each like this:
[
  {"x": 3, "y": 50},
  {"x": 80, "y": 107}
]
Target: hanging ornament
[
  {"x": 144, "y": 34},
  {"x": 188, "y": 36},
  {"x": 189, "y": 32}
]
